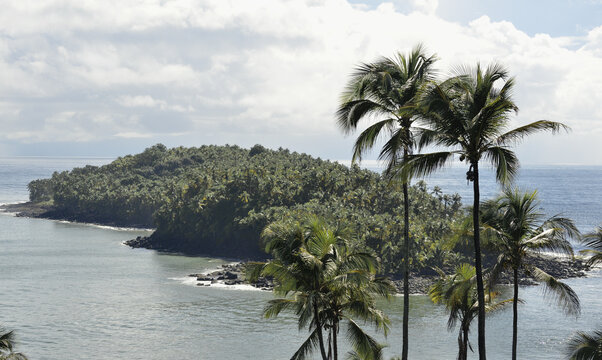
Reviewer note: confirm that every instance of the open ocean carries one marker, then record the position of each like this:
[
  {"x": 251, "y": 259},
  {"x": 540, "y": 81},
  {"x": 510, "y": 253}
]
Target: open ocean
[{"x": 73, "y": 291}]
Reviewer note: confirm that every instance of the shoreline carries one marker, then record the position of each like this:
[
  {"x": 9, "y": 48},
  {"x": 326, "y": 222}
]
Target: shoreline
[
  {"x": 32, "y": 210},
  {"x": 233, "y": 274}
]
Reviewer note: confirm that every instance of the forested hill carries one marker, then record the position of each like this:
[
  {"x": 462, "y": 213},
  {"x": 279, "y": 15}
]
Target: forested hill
[{"x": 215, "y": 200}]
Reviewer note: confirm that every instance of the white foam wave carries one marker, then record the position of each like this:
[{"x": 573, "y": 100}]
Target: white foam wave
[
  {"x": 192, "y": 281},
  {"x": 13, "y": 203},
  {"x": 106, "y": 227},
  {"x": 7, "y": 213}
]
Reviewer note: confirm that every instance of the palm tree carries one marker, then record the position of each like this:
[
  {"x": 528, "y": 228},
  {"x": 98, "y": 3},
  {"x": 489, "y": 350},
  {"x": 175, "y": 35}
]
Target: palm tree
[
  {"x": 469, "y": 115},
  {"x": 386, "y": 90},
  {"x": 518, "y": 231},
  {"x": 458, "y": 293},
  {"x": 7, "y": 342},
  {"x": 585, "y": 346},
  {"x": 325, "y": 281},
  {"x": 594, "y": 241}
]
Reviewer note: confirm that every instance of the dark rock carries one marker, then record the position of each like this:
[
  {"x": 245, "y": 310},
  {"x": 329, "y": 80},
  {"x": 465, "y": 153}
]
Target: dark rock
[{"x": 230, "y": 275}]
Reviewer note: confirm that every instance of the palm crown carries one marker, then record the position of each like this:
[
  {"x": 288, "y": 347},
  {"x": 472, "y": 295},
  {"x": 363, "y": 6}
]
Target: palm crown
[
  {"x": 325, "y": 281},
  {"x": 468, "y": 114},
  {"x": 385, "y": 91}
]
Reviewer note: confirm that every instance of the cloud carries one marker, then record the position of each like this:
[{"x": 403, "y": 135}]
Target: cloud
[
  {"x": 426, "y": 6},
  {"x": 265, "y": 71}
]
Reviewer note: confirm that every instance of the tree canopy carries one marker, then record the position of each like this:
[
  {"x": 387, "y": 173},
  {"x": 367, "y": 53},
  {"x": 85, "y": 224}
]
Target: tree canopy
[{"x": 215, "y": 200}]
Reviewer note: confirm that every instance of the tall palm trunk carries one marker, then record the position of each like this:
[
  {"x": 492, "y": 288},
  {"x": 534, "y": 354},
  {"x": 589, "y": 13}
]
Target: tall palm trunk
[
  {"x": 478, "y": 265},
  {"x": 515, "y": 315},
  {"x": 335, "y": 331},
  {"x": 463, "y": 343},
  {"x": 320, "y": 335},
  {"x": 406, "y": 266}
]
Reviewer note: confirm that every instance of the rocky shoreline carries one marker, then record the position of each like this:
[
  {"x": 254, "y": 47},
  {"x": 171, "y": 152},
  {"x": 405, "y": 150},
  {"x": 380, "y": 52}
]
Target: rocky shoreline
[{"x": 561, "y": 268}]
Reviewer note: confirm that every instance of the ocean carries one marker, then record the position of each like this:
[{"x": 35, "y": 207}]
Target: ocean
[{"x": 74, "y": 291}]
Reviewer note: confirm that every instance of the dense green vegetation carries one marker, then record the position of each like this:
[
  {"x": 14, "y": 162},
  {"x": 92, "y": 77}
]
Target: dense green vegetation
[
  {"x": 216, "y": 200},
  {"x": 327, "y": 282}
]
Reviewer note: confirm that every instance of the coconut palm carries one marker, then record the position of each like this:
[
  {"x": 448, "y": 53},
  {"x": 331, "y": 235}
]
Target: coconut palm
[
  {"x": 458, "y": 293},
  {"x": 7, "y": 342},
  {"x": 594, "y": 241},
  {"x": 385, "y": 91},
  {"x": 518, "y": 231},
  {"x": 585, "y": 346},
  {"x": 326, "y": 282},
  {"x": 469, "y": 115}
]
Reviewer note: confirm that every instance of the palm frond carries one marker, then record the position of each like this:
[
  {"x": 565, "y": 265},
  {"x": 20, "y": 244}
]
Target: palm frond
[
  {"x": 306, "y": 349},
  {"x": 516, "y": 135},
  {"x": 7, "y": 340},
  {"x": 493, "y": 307},
  {"x": 363, "y": 344},
  {"x": 275, "y": 306},
  {"x": 565, "y": 297},
  {"x": 593, "y": 239},
  {"x": 550, "y": 240},
  {"x": 352, "y": 112},
  {"x": 367, "y": 138},
  {"x": 423, "y": 164},
  {"x": 504, "y": 162},
  {"x": 585, "y": 346}
]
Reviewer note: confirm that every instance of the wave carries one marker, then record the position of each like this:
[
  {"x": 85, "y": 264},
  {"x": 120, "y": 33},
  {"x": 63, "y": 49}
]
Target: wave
[
  {"x": 13, "y": 203},
  {"x": 192, "y": 281},
  {"x": 99, "y": 226}
]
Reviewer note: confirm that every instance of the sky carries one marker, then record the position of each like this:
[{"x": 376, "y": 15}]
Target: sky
[{"x": 109, "y": 78}]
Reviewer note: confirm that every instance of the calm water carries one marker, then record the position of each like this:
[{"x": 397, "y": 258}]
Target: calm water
[{"x": 74, "y": 291}]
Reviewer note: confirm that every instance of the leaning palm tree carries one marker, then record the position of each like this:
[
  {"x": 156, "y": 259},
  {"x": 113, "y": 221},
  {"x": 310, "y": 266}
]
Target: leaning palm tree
[
  {"x": 518, "y": 231},
  {"x": 469, "y": 115},
  {"x": 585, "y": 346},
  {"x": 385, "y": 91},
  {"x": 326, "y": 282},
  {"x": 458, "y": 293},
  {"x": 593, "y": 240}
]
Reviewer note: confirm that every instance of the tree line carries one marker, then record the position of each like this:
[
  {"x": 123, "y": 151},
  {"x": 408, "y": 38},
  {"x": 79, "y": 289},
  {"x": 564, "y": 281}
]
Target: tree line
[{"x": 216, "y": 200}]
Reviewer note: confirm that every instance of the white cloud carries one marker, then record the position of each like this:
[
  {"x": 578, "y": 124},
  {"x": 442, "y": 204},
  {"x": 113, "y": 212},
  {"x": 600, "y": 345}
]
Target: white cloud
[
  {"x": 246, "y": 72},
  {"x": 426, "y": 6}
]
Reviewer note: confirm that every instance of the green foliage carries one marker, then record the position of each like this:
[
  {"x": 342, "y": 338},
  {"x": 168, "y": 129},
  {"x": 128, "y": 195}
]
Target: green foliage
[
  {"x": 593, "y": 240},
  {"x": 458, "y": 292},
  {"x": 585, "y": 346},
  {"x": 7, "y": 343},
  {"x": 217, "y": 199},
  {"x": 518, "y": 230},
  {"x": 326, "y": 281}
]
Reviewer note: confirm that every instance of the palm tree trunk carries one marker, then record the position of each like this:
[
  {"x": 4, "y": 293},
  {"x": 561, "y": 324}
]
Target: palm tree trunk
[
  {"x": 330, "y": 344},
  {"x": 335, "y": 330},
  {"x": 478, "y": 265},
  {"x": 461, "y": 346},
  {"x": 515, "y": 315},
  {"x": 463, "y": 343},
  {"x": 320, "y": 335},
  {"x": 406, "y": 269}
]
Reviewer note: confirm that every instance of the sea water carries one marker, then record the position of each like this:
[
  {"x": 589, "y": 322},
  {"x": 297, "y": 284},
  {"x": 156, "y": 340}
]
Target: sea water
[{"x": 74, "y": 291}]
